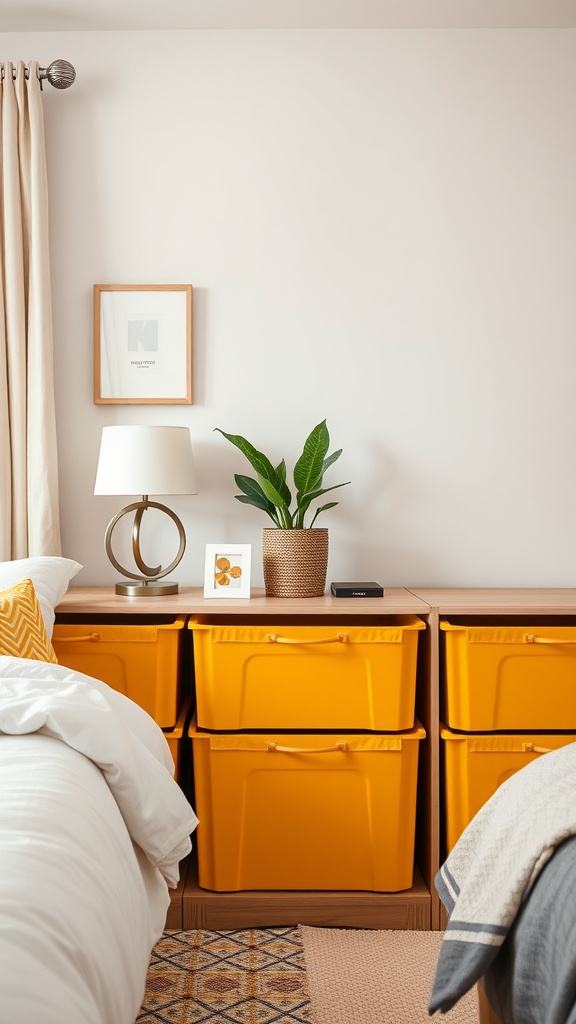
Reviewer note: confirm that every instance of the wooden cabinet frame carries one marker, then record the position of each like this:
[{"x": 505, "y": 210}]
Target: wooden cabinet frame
[{"x": 419, "y": 907}]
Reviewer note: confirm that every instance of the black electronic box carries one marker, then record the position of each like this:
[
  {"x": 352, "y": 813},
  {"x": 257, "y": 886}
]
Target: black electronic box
[{"x": 357, "y": 590}]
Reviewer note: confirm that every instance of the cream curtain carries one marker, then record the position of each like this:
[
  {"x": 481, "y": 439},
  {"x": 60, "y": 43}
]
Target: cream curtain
[{"x": 29, "y": 512}]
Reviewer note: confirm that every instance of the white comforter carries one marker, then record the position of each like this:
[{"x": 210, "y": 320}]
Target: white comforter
[{"x": 92, "y": 829}]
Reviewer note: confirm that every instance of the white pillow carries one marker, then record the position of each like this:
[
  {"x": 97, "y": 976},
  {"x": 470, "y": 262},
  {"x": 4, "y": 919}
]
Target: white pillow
[{"x": 50, "y": 576}]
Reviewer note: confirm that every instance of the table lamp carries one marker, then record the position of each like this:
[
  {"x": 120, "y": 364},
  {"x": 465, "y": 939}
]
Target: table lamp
[{"x": 145, "y": 460}]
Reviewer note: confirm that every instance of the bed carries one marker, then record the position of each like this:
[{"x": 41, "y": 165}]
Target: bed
[
  {"x": 93, "y": 828},
  {"x": 509, "y": 887}
]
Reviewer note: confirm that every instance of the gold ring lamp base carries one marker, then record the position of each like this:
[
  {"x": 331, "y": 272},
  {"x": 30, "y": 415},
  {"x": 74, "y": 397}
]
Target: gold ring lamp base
[
  {"x": 145, "y": 589},
  {"x": 147, "y": 584}
]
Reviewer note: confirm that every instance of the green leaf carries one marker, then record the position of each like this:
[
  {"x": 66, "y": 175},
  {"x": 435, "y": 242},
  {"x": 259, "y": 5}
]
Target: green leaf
[
  {"x": 259, "y": 462},
  {"x": 278, "y": 485},
  {"x": 330, "y": 504},
  {"x": 254, "y": 492},
  {"x": 308, "y": 469},
  {"x": 264, "y": 468},
  {"x": 331, "y": 458},
  {"x": 305, "y": 501},
  {"x": 278, "y": 499},
  {"x": 267, "y": 507}
]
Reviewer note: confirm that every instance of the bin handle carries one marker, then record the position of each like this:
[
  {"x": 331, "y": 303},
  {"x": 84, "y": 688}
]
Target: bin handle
[
  {"x": 94, "y": 637},
  {"x": 531, "y": 748},
  {"x": 531, "y": 638},
  {"x": 273, "y": 638},
  {"x": 273, "y": 748}
]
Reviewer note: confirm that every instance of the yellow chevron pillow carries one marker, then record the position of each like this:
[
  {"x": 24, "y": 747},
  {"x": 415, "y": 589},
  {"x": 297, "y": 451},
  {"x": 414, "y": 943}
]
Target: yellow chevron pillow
[{"x": 22, "y": 630}]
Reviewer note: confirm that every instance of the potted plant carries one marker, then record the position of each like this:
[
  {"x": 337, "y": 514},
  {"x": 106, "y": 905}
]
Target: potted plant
[{"x": 295, "y": 552}]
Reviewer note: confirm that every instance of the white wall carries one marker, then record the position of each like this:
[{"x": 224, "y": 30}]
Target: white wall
[{"x": 380, "y": 228}]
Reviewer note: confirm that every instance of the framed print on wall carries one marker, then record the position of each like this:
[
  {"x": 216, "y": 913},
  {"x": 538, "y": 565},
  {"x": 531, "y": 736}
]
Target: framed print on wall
[
  {"x": 143, "y": 344},
  {"x": 227, "y": 570}
]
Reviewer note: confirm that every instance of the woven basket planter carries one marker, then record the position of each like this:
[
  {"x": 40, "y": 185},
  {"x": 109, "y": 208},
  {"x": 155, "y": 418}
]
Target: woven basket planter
[{"x": 295, "y": 562}]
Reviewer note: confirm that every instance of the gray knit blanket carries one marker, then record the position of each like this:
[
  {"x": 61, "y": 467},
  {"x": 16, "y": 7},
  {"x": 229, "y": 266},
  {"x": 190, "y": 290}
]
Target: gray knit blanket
[{"x": 491, "y": 871}]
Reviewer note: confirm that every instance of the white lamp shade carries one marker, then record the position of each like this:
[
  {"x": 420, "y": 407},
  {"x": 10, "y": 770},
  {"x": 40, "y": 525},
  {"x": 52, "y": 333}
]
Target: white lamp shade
[{"x": 145, "y": 460}]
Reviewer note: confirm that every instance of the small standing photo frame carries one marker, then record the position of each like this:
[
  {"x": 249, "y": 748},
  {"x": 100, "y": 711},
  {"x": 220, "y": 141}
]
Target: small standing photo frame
[{"x": 227, "y": 570}]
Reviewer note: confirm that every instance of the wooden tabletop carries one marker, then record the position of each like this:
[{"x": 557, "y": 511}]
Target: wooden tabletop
[
  {"x": 190, "y": 601},
  {"x": 396, "y": 601},
  {"x": 499, "y": 600}
]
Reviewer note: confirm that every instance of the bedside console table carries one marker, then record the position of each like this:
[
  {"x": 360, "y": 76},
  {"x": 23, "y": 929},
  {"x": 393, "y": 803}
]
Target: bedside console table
[
  {"x": 202, "y": 908},
  {"x": 419, "y": 906}
]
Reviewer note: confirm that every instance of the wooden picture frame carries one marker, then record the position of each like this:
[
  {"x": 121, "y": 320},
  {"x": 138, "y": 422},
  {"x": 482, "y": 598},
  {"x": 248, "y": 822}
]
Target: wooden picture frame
[
  {"x": 227, "y": 570},
  {"x": 143, "y": 344}
]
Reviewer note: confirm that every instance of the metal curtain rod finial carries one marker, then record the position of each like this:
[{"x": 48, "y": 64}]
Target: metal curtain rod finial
[{"x": 60, "y": 74}]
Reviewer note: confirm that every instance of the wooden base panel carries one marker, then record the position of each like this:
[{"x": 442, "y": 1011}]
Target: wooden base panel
[
  {"x": 486, "y": 1014},
  {"x": 217, "y": 911},
  {"x": 175, "y": 915}
]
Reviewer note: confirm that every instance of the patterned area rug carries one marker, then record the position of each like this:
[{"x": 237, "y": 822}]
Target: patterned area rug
[{"x": 248, "y": 976}]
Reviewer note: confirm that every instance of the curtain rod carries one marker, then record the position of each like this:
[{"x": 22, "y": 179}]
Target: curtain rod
[{"x": 59, "y": 73}]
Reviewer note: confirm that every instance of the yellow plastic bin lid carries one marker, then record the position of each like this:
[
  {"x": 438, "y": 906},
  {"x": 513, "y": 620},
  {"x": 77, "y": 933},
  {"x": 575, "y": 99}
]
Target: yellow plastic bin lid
[
  {"x": 290, "y": 676},
  {"x": 500, "y": 678},
  {"x": 141, "y": 661}
]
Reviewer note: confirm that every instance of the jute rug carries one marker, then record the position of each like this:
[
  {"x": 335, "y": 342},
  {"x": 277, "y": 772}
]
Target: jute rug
[
  {"x": 296, "y": 976},
  {"x": 249, "y": 976},
  {"x": 376, "y": 977}
]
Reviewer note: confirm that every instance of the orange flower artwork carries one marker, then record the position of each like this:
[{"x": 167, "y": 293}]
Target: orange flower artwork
[{"x": 225, "y": 572}]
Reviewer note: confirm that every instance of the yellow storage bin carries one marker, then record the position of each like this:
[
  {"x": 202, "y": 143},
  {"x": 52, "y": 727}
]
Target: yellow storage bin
[
  {"x": 305, "y": 811},
  {"x": 140, "y": 661},
  {"x": 176, "y": 739},
  {"x": 509, "y": 677},
  {"x": 476, "y": 765},
  {"x": 329, "y": 676}
]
